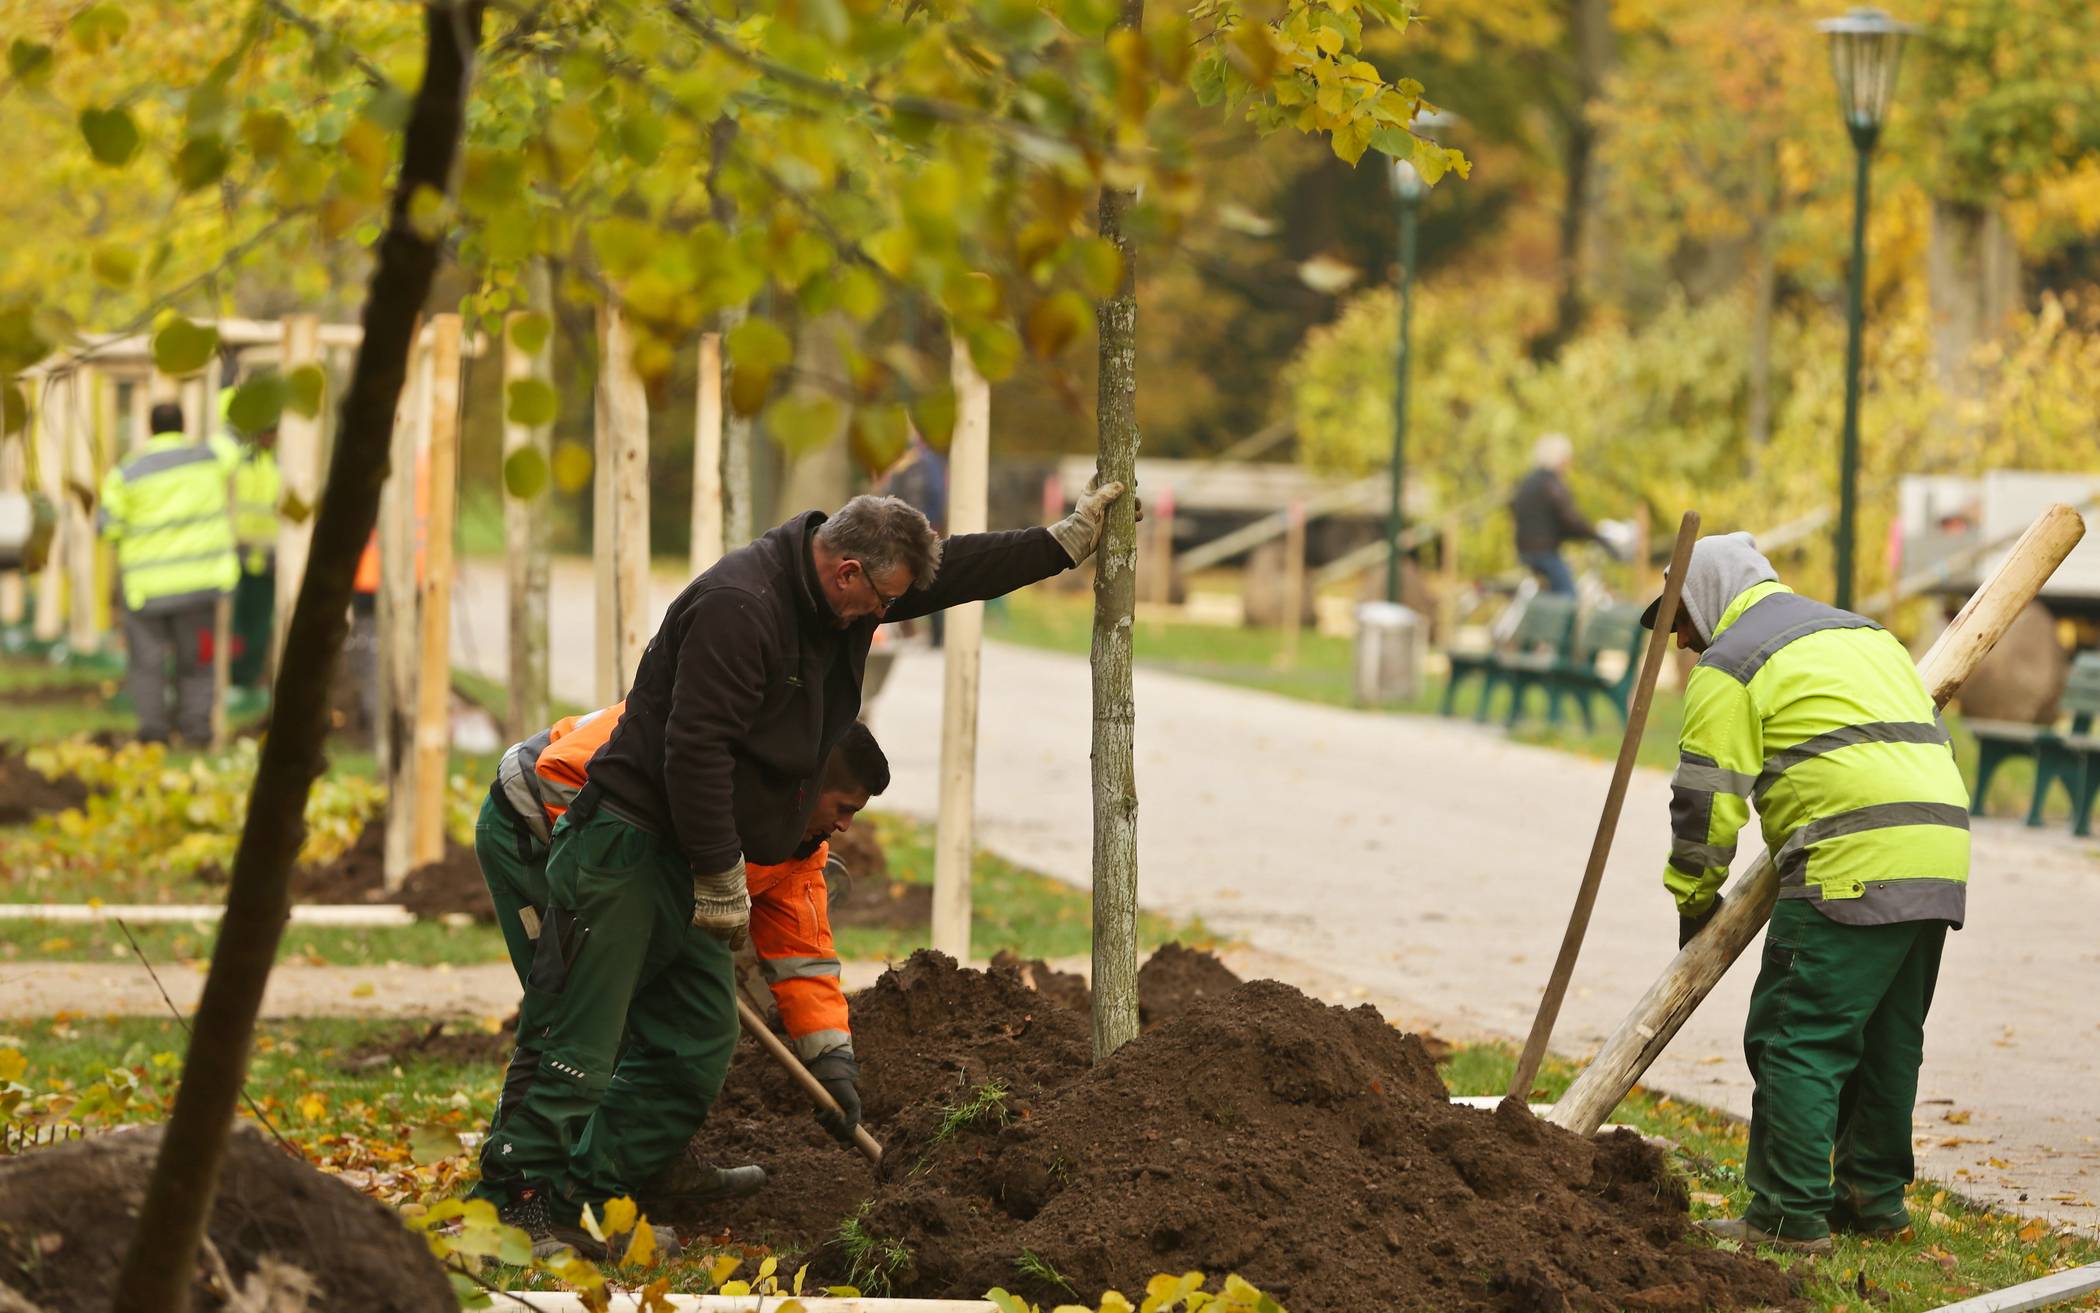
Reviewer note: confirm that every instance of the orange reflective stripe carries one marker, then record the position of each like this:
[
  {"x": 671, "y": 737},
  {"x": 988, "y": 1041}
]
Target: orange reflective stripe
[
  {"x": 575, "y": 739},
  {"x": 791, "y": 932}
]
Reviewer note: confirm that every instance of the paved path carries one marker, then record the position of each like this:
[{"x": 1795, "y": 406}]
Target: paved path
[{"x": 1432, "y": 863}]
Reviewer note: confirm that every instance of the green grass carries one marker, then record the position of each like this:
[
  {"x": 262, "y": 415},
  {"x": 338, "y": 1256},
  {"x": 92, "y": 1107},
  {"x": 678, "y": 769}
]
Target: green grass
[
  {"x": 179, "y": 944},
  {"x": 1958, "y": 1249}
]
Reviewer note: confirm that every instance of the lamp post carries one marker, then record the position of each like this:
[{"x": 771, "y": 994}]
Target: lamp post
[
  {"x": 1409, "y": 189},
  {"x": 1866, "y": 47}
]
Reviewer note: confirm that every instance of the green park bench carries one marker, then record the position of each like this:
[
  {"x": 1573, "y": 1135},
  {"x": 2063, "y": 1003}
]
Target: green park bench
[
  {"x": 1543, "y": 635},
  {"x": 1615, "y": 628},
  {"x": 2071, "y": 758}
]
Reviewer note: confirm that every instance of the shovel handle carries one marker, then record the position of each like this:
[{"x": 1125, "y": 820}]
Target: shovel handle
[{"x": 814, "y": 1088}]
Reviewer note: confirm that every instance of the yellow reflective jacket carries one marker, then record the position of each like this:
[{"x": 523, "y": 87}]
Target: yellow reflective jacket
[
  {"x": 1817, "y": 717},
  {"x": 257, "y": 488},
  {"x": 166, "y": 510}
]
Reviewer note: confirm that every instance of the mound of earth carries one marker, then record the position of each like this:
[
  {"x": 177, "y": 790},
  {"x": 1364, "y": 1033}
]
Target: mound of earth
[
  {"x": 67, "y": 1212},
  {"x": 1067, "y": 989},
  {"x": 1176, "y": 978},
  {"x": 27, "y": 793},
  {"x": 454, "y": 1043},
  {"x": 452, "y": 884},
  {"x": 862, "y": 854},
  {"x": 1309, "y": 1148}
]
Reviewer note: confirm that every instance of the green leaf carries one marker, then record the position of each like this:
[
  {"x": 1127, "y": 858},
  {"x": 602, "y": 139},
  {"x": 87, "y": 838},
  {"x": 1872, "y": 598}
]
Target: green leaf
[
  {"x": 859, "y": 294},
  {"x": 572, "y": 466},
  {"x": 201, "y": 162},
  {"x": 29, "y": 61},
  {"x": 111, "y": 135},
  {"x": 1058, "y": 320},
  {"x": 181, "y": 347},
  {"x": 14, "y": 409},
  {"x": 267, "y": 133},
  {"x": 1100, "y": 266},
  {"x": 115, "y": 264},
  {"x": 432, "y": 1144},
  {"x": 304, "y": 390},
  {"x": 529, "y": 331},
  {"x": 802, "y": 422},
  {"x": 572, "y": 133},
  {"x": 642, "y": 137},
  {"x": 933, "y": 413},
  {"x": 532, "y": 402},
  {"x": 878, "y": 436},
  {"x": 758, "y": 350},
  {"x": 98, "y": 27},
  {"x": 257, "y": 404},
  {"x": 1208, "y": 81},
  {"x": 525, "y": 473},
  {"x": 1091, "y": 18},
  {"x": 995, "y": 348}
]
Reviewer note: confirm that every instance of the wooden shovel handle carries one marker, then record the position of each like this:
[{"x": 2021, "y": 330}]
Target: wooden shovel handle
[{"x": 814, "y": 1088}]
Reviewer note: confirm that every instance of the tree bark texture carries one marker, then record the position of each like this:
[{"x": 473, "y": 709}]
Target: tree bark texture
[
  {"x": 525, "y": 525},
  {"x": 299, "y": 465},
  {"x": 433, "y": 723},
  {"x": 1581, "y": 237},
  {"x": 160, "y": 1264},
  {"x": 1115, "y": 602}
]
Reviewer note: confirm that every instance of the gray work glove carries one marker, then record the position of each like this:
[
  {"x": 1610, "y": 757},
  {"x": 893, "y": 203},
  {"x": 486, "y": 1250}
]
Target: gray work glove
[
  {"x": 837, "y": 1072},
  {"x": 1080, "y": 532},
  {"x": 1687, "y": 926},
  {"x": 722, "y": 905}
]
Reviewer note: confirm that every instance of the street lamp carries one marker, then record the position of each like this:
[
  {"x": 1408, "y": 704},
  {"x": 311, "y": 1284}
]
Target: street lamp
[
  {"x": 1409, "y": 188},
  {"x": 1866, "y": 47}
]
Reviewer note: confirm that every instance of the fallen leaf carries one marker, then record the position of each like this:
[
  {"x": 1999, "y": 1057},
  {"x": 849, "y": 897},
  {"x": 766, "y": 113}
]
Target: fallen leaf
[
  {"x": 1960, "y": 1116},
  {"x": 313, "y": 1105},
  {"x": 363, "y": 989},
  {"x": 2033, "y": 1231}
]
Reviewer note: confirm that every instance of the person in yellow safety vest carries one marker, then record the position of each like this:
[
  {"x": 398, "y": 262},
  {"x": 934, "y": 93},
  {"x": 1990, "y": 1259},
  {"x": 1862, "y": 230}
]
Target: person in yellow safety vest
[
  {"x": 1817, "y": 718},
  {"x": 165, "y": 509},
  {"x": 257, "y": 488}
]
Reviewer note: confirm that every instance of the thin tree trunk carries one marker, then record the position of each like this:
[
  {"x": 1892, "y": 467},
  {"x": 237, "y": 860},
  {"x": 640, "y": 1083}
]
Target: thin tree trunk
[
  {"x": 1764, "y": 290},
  {"x": 1589, "y": 25},
  {"x": 525, "y": 525},
  {"x": 736, "y": 428},
  {"x": 1115, "y": 601},
  {"x": 160, "y": 1265}
]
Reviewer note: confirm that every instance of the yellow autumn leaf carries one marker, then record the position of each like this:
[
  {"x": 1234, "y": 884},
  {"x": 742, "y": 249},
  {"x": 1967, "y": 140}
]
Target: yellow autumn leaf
[
  {"x": 641, "y": 1251},
  {"x": 1328, "y": 40},
  {"x": 619, "y": 1216},
  {"x": 725, "y": 1265},
  {"x": 313, "y": 1105},
  {"x": 12, "y": 1064}
]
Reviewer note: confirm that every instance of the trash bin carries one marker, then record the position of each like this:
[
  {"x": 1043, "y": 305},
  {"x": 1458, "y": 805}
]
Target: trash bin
[{"x": 1390, "y": 643}]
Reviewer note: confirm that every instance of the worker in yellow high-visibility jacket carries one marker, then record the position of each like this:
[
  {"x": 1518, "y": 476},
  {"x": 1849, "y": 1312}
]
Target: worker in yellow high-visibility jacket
[
  {"x": 1817, "y": 718},
  {"x": 166, "y": 510}
]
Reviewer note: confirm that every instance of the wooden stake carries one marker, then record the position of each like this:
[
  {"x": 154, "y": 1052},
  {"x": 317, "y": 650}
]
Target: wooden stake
[
  {"x": 1608, "y": 820},
  {"x": 737, "y": 526},
  {"x": 1293, "y": 585},
  {"x": 1162, "y": 564},
  {"x": 620, "y": 505},
  {"x": 433, "y": 730},
  {"x": 47, "y": 470},
  {"x": 756, "y": 1027},
  {"x": 525, "y": 524},
  {"x": 401, "y": 512},
  {"x": 955, "y": 834},
  {"x": 1692, "y": 974},
  {"x": 707, "y": 458},
  {"x": 72, "y": 418},
  {"x": 299, "y": 469},
  {"x": 14, "y": 596},
  {"x": 1447, "y": 596}
]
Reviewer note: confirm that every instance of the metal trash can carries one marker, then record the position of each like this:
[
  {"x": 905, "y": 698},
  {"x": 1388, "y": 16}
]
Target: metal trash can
[
  {"x": 1391, "y": 648},
  {"x": 27, "y": 523}
]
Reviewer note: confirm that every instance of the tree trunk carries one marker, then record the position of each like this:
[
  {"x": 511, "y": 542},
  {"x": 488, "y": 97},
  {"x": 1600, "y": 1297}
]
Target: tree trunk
[
  {"x": 955, "y": 832},
  {"x": 620, "y": 518},
  {"x": 706, "y": 545},
  {"x": 1581, "y": 239},
  {"x": 433, "y": 724},
  {"x": 1764, "y": 291},
  {"x": 299, "y": 465},
  {"x": 160, "y": 1265},
  {"x": 1973, "y": 277},
  {"x": 1115, "y": 601},
  {"x": 525, "y": 525},
  {"x": 736, "y": 456}
]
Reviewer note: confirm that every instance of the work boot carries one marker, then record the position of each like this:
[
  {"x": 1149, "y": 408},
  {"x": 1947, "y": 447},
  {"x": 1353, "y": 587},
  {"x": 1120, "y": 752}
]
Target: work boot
[
  {"x": 1743, "y": 1233},
  {"x": 689, "y": 1181},
  {"x": 1846, "y": 1222},
  {"x": 528, "y": 1211}
]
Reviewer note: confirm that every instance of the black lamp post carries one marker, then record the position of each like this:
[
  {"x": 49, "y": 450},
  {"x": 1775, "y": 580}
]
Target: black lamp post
[
  {"x": 1866, "y": 47},
  {"x": 1409, "y": 188}
]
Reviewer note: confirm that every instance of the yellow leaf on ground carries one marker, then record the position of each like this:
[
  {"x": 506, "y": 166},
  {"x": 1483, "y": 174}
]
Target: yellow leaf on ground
[
  {"x": 1959, "y": 1116},
  {"x": 313, "y": 1105},
  {"x": 641, "y": 1251},
  {"x": 12, "y": 1064},
  {"x": 2033, "y": 1231},
  {"x": 363, "y": 989},
  {"x": 619, "y": 1216}
]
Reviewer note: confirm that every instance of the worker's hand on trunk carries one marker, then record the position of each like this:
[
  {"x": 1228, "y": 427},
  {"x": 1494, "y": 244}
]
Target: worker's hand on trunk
[
  {"x": 1687, "y": 926},
  {"x": 837, "y": 1072},
  {"x": 722, "y": 905},
  {"x": 1080, "y": 532}
]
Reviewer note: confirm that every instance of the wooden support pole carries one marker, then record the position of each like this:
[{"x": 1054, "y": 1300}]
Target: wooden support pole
[
  {"x": 1447, "y": 596},
  {"x": 399, "y": 514},
  {"x": 707, "y": 458},
  {"x": 433, "y": 728},
  {"x": 73, "y": 396},
  {"x": 620, "y": 509},
  {"x": 737, "y": 527},
  {"x": 1293, "y": 585},
  {"x": 1607, "y": 821},
  {"x": 955, "y": 834},
  {"x": 47, "y": 471},
  {"x": 1162, "y": 547},
  {"x": 14, "y": 595},
  {"x": 525, "y": 551},
  {"x": 1692, "y": 974},
  {"x": 299, "y": 469},
  {"x": 107, "y": 445}
]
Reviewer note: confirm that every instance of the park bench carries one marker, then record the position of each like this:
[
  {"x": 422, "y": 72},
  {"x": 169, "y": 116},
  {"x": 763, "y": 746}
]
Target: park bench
[
  {"x": 1539, "y": 645},
  {"x": 2071, "y": 757},
  {"x": 1614, "y": 628}
]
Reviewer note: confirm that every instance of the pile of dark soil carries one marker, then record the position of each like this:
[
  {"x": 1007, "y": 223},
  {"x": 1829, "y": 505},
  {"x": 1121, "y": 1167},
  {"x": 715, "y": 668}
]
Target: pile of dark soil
[
  {"x": 1067, "y": 989},
  {"x": 66, "y": 1214},
  {"x": 452, "y": 884},
  {"x": 862, "y": 853},
  {"x": 1310, "y": 1149},
  {"x": 874, "y": 900},
  {"x": 1176, "y": 978},
  {"x": 453, "y": 1043},
  {"x": 27, "y": 793}
]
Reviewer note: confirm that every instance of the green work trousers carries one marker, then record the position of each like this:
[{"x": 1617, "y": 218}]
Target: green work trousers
[
  {"x": 254, "y": 613},
  {"x": 514, "y": 866},
  {"x": 1835, "y": 1037},
  {"x": 617, "y": 956}
]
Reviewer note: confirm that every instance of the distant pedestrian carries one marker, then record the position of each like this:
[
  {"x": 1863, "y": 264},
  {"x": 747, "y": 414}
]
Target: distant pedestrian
[
  {"x": 1547, "y": 516},
  {"x": 166, "y": 511},
  {"x": 920, "y": 479}
]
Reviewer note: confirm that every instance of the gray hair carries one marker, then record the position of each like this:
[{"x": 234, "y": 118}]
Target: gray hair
[
  {"x": 1553, "y": 452},
  {"x": 882, "y": 533}
]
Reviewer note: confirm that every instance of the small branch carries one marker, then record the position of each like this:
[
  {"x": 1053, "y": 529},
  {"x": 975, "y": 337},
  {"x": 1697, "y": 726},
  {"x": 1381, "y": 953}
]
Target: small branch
[{"x": 315, "y": 32}]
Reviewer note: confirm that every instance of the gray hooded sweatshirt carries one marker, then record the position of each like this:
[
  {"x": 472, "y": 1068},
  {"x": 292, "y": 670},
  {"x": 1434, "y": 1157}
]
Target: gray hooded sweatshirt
[{"x": 1722, "y": 566}]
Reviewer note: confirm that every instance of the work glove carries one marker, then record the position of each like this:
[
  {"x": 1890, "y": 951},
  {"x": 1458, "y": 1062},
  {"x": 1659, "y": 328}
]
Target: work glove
[
  {"x": 1687, "y": 926},
  {"x": 1080, "y": 532},
  {"x": 722, "y": 905},
  {"x": 837, "y": 1072}
]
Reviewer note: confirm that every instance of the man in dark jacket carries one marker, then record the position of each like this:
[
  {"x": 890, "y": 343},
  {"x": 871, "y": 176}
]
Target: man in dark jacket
[
  {"x": 738, "y": 701},
  {"x": 1546, "y": 515}
]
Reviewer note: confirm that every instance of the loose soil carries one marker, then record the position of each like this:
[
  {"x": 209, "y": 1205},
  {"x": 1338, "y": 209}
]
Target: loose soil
[
  {"x": 452, "y": 1043},
  {"x": 451, "y": 885},
  {"x": 1309, "y": 1148},
  {"x": 27, "y": 793},
  {"x": 875, "y": 901},
  {"x": 1172, "y": 979},
  {"x": 67, "y": 1212}
]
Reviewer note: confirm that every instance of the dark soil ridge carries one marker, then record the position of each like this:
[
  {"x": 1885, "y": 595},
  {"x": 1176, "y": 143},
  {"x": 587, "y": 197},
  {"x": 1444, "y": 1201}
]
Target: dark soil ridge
[
  {"x": 67, "y": 1213},
  {"x": 27, "y": 793},
  {"x": 450, "y": 885},
  {"x": 1309, "y": 1148}
]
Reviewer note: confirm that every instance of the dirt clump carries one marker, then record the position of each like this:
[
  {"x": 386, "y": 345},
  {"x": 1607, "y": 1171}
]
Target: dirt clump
[
  {"x": 1067, "y": 989},
  {"x": 1309, "y": 1148},
  {"x": 1175, "y": 978},
  {"x": 27, "y": 793},
  {"x": 452, "y": 1043},
  {"x": 862, "y": 854},
  {"x": 67, "y": 1212},
  {"x": 450, "y": 885}
]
